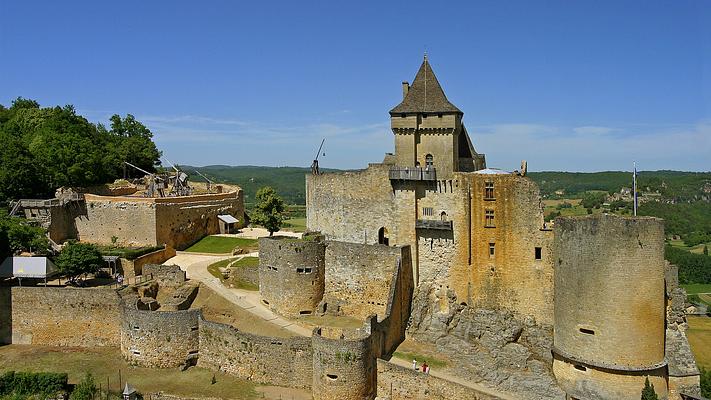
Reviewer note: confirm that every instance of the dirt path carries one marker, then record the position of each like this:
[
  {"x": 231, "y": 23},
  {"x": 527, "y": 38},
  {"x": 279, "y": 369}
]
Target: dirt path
[
  {"x": 195, "y": 265},
  {"x": 451, "y": 378}
]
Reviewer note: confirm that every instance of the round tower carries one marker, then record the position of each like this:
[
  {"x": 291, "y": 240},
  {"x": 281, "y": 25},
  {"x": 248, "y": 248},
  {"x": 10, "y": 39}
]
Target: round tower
[
  {"x": 291, "y": 274},
  {"x": 609, "y": 306},
  {"x": 344, "y": 365}
]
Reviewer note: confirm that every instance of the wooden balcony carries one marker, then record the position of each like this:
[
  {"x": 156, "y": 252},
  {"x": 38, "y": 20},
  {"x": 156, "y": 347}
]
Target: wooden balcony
[
  {"x": 413, "y": 173},
  {"x": 433, "y": 224}
]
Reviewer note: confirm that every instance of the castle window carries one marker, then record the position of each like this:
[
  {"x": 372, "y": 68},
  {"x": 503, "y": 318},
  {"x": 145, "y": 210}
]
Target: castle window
[
  {"x": 489, "y": 219},
  {"x": 299, "y": 270},
  {"x": 424, "y": 115},
  {"x": 427, "y": 211},
  {"x": 429, "y": 161},
  {"x": 443, "y": 216},
  {"x": 332, "y": 377},
  {"x": 307, "y": 270},
  {"x": 538, "y": 253},
  {"x": 135, "y": 328},
  {"x": 587, "y": 331},
  {"x": 383, "y": 236},
  {"x": 492, "y": 249},
  {"x": 489, "y": 190},
  {"x": 402, "y": 115},
  {"x": 136, "y": 353},
  {"x": 439, "y": 115},
  {"x": 579, "y": 367}
]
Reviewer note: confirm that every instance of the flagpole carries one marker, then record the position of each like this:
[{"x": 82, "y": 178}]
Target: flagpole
[{"x": 634, "y": 187}]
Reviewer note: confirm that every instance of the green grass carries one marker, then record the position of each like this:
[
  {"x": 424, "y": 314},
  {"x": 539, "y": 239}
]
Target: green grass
[
  {"x": 214, "y": 270},
  {"x": 696, "y": 288},
  {"x": 222, "y": 245},
  {"x": 128, "y": 253},
  {"x": 106, "y": 362},
  {"x": 407, "y": 356},
  {"x": 699, "y": 334},
  {"x": 295, "y": 224}
]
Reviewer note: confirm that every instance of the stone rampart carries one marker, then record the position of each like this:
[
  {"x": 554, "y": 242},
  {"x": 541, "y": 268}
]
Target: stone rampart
[
  {"x": 268, "y": 360},
  {"x": 391, "y": 329},
  {"x": 162, "y": 339},
  {"x": 132, "y": 268},
  {"x": 291, "y": 274},
  {"x": 400, "y": 383},
  {"x": 359, "y": 277},
  {"x": 343, "y": 365},
  {"x": 65, "y": 316}
]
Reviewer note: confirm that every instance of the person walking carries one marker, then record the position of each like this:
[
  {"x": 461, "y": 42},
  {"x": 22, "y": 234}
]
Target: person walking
[{"x": 414, "y": 364}]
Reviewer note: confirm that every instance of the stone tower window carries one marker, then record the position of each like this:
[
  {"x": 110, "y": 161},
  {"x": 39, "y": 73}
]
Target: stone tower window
[
  {"x": 489, "y": 219},
  {"x": 538, "y": 253},
  {"x": 429, "y": 160},
  {"x": 402, "y": 115},
  {"x": 489, "y": 190},
  {"x": 427, "y": 211},
  {"x": 587, "y": 331},
  {"x": 443, "y": 216},
  {"x": 492, "y": 249},
  {"x": 383, "y": 236},
  {"x": 580, "y": 367}
]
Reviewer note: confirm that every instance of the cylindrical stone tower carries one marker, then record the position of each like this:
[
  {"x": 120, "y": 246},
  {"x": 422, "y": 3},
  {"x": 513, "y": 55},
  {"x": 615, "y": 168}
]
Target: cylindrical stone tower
[
  {"x": 609, "y": 306},
  {"x": 291, "y": 274},
  {"x": 344, "y": 365}
]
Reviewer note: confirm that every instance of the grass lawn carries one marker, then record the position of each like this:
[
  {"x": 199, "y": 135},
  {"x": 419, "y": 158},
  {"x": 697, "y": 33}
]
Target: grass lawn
[
  {"x": 214, "y": 270},
  {"x": 697, "y": 288},
  {"x": 407, "y": 356},
  {"x": 412, "y": 349},
  {"x": 699, "y": 335},
  {"x": 105, "y": 362},
  {"x": 295, "y": 225},
  {"x": 222, "y": 245}
]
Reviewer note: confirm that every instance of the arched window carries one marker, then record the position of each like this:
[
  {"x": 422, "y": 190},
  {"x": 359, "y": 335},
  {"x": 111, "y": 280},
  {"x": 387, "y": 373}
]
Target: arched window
[
  {"x": 443, "y": 216},
  {"x": 429, "y": 161},
  {"x": 383, "y": 236}
]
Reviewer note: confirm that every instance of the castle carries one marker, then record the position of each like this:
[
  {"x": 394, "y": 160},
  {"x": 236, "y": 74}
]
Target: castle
[
  {"x": 591, "y": 309},
  {"x": 431, "y": 244}
]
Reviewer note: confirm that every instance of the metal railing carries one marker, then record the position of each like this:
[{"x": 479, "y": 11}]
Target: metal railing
[
  {"x": 433, "y": 224},
  {"x": 413, "y": 173}
]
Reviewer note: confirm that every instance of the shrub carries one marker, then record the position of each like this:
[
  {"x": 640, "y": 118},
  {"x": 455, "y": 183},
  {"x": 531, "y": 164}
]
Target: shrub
[{"x": 28, "y": 383}]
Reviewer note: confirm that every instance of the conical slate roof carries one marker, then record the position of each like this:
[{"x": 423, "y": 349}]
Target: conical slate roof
[{"x": 425, "y": 95}]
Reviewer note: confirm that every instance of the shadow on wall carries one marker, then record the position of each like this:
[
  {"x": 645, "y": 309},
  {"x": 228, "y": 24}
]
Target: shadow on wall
[{"x": 5, "y": 315}]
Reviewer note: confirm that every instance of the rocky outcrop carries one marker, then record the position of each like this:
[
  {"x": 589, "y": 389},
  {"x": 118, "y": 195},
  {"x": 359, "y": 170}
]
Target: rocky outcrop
[{"x": 488, "y": 345}]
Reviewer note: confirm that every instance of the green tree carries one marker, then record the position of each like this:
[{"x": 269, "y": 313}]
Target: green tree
[
  {"x": 16, "y": 235},
  {"x": 706, "y": 382},
  {"x": 706, "y": 250},
  {"x": 134, "y": 142},
  {"x": 269, "y": 210},
  {"x": 648, "y": 392},
  {"x": 85, "y": 389},
  {"x": 79, "y": 259}
]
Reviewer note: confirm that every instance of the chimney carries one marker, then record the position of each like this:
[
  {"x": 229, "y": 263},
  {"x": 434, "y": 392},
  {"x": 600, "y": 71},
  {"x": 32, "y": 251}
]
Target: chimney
[{"x": 405, "y": 89}]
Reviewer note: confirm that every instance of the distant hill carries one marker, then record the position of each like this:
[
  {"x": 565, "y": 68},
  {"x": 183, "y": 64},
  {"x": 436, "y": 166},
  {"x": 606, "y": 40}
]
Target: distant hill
[
  {"x": 290, "y": 181},
  {"x": 672, "y": 185}
]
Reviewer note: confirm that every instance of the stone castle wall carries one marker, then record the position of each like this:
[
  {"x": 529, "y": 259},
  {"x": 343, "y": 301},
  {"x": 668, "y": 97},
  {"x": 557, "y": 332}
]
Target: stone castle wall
[
  {"x": 5, "y": 315},
  {"x": 343, "y": 365},
  {"x": 359, "y": 277},
  {"x": 162, "y": 339},
  {"x": 65, "y": 316},
  {"x": 400, "y": 383},
  {"x": 132, "y": 268},
  {"x": 291, "y": 274},
  {"x": 140, "y": 221},
  {"x": 269, "y": 360},
  {"x": 608, "y": 337}
]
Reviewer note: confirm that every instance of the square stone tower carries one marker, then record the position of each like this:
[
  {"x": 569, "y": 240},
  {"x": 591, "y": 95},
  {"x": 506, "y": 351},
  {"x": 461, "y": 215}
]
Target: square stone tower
[{"x": 428, "y": 129}]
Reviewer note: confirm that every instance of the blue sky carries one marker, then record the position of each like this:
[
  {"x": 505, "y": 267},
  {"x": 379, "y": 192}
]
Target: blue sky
[{"x": 566, "y": 85}]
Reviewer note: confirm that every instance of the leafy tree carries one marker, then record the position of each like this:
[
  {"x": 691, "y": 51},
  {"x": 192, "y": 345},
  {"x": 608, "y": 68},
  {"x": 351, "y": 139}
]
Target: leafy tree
[
  {"x": 705, "y": 382},
  {"x": 85, "y": 389},
  {"x": 593, "y": 199},
  {"x": 16, "y": 235},
  {"x": 135, "y": 142},
  {"x": 79, "y": 259},
  {"x": 648, "y": 392},
  {"x": 268, "y": 210},
  {"x": 693, "y": 268}
]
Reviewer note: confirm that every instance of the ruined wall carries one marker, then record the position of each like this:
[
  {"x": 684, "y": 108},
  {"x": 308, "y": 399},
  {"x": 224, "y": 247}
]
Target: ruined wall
[
  {"x": 291, "y": 274},
  {"x": 400, "y": 383},
  {"x": 391, "y": 329},
  {"x": 165, "y": 275},
  {"x": 600, "y": 324},
  {"x": 275, "y": 361},
  {"x": 65, "y": 316},
  {"x": 162, "y": 339},
  {"x": 358, "y": 277},
  {"x": 344, "y": 366},
  {"x": 183, "y": 220},
  {"x": 134, "y": 267}
]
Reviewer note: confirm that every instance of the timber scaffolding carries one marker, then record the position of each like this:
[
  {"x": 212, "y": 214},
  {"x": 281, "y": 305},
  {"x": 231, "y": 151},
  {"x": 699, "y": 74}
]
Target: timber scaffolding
[{"x": 44, "y": 203}]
